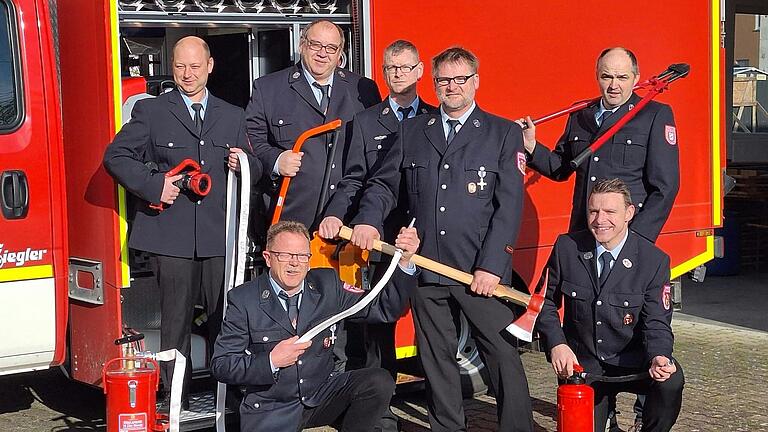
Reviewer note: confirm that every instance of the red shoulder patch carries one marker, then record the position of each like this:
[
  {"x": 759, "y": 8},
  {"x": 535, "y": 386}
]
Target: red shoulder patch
[
  {"x": 666, "y": 296},
  {"x": 670, "y": 134},
  {"x": 521, "y": 162},
  {"x": 351, "y": 288}
]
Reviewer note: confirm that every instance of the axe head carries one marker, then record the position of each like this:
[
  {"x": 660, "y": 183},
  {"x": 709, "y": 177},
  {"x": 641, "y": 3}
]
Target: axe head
[{"x": 522, "y": 327}]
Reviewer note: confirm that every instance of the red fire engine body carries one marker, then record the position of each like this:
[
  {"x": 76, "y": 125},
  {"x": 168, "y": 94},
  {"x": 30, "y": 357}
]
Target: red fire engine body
[{"x": 65, "y": 279}]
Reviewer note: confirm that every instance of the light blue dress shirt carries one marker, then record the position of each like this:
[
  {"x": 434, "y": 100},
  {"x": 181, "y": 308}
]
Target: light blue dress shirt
[
  {"x": 188, "y": 102},
  {"x": 462, "y": 119},
  {"x": 414, "y": 105},
  {"x": 601, "y": 110},
  {"x": 614, "y": 253}
]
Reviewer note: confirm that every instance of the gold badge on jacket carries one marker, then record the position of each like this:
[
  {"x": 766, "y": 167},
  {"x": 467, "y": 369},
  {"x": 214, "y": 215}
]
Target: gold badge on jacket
[{"x": 628, "y": 319}]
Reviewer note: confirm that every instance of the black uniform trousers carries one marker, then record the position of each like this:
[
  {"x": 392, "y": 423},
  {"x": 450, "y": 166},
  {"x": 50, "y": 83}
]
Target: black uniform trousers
[
  {"x": 182, "y": 282},
  {"x": 436, "y": 337},
  {"x": 361, "y": 402},
  {"x": 662, "y": 404}
]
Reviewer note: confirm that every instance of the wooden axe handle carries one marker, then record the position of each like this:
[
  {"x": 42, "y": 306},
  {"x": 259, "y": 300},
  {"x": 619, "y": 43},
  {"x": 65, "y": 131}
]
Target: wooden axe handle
[{"x": 501, "y": 291}]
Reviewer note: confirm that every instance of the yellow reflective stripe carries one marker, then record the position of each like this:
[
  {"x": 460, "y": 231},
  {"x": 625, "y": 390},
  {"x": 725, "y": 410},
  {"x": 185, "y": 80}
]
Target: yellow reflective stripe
[
  {"x": 26, "y": 273},
  {"x": 117, "y": 106},
  {"x": 716, "y": 168},
  {"x": 405, "y": 352},
  {"x": 696, "y": 261}
]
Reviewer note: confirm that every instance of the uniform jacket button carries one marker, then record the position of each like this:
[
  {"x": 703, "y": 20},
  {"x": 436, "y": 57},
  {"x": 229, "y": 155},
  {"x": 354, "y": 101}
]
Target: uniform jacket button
[
  {"x": 573, "y": 294},
  {"x": 599, "y": 302},
  {"x": 280, "y": 121},
  {"x": 202, "y": 142},
  {"x": 593, "y": 178},
  {"x": 256, "y": 405},
  {"x": 442, "y": 232},
  {"x": 265, "y": 338},
  {"x": 446, "y": 166},
  {"x": 596, "y": 158},
  {"x": 626, "y": 303},
  {"x": 443, "y": 187}
]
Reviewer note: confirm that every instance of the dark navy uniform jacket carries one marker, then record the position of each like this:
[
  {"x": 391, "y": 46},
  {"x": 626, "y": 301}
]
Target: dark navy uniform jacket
[
  {"x": 644, "y": 154},
  {"x": 374, "y": 131},
  {"x": 462, "y": 223},
  {"x": 625, "y": 323},
  {"x": 282, "y": 107},
  {"x": 161, "y": 130},
  {"x": 256, "y": 321}
]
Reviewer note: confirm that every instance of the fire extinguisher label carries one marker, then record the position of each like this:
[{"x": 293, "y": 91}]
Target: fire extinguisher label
[{"x": 136, "y": 422}]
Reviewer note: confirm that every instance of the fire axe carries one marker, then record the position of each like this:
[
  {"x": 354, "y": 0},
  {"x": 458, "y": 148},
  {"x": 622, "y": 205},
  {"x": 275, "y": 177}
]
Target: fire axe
[{"x": 521, "y": 328}]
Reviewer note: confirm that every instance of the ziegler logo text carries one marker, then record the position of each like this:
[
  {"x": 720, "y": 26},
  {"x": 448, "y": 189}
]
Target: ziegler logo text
[{"x": 19, "y": 258}]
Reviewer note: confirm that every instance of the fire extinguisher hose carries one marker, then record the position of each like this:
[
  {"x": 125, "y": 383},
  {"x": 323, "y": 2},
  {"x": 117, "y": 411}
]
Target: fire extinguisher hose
[{"x": 236, "y": 228}]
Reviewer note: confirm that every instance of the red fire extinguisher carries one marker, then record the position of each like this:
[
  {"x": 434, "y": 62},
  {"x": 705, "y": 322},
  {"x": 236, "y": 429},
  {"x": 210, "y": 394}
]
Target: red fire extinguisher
[
  {"x": 575, "y": 404},
  {"x": 131, "y": 383}
]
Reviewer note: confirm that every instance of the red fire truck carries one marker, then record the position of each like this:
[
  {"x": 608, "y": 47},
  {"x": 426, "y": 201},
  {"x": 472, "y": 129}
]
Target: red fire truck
[{"x": 68, "y": 284}]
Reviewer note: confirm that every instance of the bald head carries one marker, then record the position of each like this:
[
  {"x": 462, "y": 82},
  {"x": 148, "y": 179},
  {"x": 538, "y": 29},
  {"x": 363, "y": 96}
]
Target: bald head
[
  {"x": 192, "y": 62},
  {"x": 617, "y": 74}
]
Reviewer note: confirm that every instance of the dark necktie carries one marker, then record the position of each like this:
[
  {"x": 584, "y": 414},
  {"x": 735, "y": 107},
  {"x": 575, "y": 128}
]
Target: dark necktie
[
  {"x": 325, "y": 99},
  {"x": 605, "y": 261},
  {"x": 452, "y": 130},
  {"x": 603, "y": 117},
  {"x": 198, "y": 119},
  {"x": 404, "y": 112},
  {"x": 292, "y": 304}
]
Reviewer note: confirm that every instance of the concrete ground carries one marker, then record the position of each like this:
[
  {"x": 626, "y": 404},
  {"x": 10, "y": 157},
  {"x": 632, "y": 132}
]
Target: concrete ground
[{"x": 721, "y": 340}]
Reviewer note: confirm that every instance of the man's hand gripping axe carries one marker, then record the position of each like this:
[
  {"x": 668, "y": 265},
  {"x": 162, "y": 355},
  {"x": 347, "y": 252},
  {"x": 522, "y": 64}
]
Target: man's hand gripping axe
[{"x": 521, "y": 328}]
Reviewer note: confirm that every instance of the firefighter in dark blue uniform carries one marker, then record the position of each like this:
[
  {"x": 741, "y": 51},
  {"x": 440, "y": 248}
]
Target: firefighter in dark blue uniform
[
  {"x": 614, "y": 287},
  {"x": 462, "y": 171},
  {"x": 293, "y": 386},
  {"x": 374, "y": 131},
  {"x": 644, "y": 153},
  {"x": 286, "y": 103},
  {"x": 186, "y": 239}
]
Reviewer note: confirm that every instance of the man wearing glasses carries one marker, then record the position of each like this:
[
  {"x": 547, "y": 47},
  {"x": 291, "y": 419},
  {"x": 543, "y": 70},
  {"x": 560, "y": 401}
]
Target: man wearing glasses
[
  {"x": 286, "y": 103},
  {"x": 373, "y": 133},
  {"x": 291, "y": 386},
  {"x": 462, "y": 172}
]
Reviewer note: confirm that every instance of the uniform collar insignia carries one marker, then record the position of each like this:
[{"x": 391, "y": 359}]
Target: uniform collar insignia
[
  {"x": 265, "y": 294},
  {"x": 431, "y": 121},
  {"x": 588, "y": 255},
  {"x": 385, "y": 111}
]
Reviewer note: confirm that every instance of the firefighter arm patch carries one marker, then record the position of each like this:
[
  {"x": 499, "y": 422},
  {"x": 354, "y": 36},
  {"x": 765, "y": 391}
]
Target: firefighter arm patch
[
  {"x": 521, "y": 162},
  {"x": 666, "y": 296},
  {"x": 351, "y": 288},
  {"x": 670, "y": 134}
]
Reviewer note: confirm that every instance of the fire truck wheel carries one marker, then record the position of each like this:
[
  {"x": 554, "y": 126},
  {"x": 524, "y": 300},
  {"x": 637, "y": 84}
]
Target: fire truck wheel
[{"x": 474, "y": 375}]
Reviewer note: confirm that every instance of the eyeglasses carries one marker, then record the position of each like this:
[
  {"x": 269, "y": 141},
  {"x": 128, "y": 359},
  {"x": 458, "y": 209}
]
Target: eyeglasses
[
  {"x": 317, "y": 46},
  {"x": 404, "y": 69},
  {"x": 460, "y": 79},
  {"x": 288, "y": 257}
]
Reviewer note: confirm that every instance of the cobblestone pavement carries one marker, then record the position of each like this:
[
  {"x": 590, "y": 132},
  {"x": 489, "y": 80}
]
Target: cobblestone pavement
[{"x": 726, "y": 369}]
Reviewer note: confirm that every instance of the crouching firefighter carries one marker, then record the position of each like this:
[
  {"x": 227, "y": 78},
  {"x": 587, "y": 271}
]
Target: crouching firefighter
[
  {"x": 174, "y": 154},
  {"x": 614, "y": 288},
  {"x": 290, "y": 383}
]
